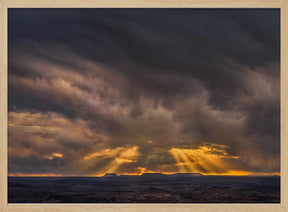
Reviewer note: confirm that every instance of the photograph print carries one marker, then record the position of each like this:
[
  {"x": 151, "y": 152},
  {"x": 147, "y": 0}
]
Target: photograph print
[{"x": 143, "y": 105}]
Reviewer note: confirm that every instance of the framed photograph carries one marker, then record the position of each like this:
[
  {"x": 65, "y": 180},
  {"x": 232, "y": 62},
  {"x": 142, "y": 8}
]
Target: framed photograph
[{"x": 143, "y": 106}]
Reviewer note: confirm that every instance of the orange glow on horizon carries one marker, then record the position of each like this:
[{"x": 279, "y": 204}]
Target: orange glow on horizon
[
  {"x": 18, "y": 174},
  {"x": 242, "y": 173},
  {"x": 230, "y": 173}
]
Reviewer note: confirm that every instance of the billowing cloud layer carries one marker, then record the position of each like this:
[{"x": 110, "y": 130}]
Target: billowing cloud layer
[{"x": 144, "y": 90}]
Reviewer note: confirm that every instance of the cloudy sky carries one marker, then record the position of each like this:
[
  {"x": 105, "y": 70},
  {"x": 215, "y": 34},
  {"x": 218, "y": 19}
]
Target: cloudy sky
[{"x": 143, "y": 90}]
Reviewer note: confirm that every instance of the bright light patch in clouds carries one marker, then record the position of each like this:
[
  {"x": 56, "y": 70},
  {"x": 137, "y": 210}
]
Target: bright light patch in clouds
[
  {"x": 205, "y": 159},
  {"x": 117, "y": 157},
  {"x": 54, "y": 155}
]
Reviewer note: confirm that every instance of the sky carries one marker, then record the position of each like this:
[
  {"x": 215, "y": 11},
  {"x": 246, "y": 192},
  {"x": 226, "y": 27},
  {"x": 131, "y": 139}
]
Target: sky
[{"x": 131, "y": 91}]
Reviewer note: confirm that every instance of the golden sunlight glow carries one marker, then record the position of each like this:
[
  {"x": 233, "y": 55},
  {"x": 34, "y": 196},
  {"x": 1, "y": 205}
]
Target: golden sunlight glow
[
  {"x": 231, "y": 173},
  {"x": 119, "y": 156},
  {"x": 243, "y": 173},
  {"x": 205, "y": 159}
]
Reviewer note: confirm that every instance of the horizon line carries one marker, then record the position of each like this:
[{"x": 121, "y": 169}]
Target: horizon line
[{"x": 196, "y": 174}]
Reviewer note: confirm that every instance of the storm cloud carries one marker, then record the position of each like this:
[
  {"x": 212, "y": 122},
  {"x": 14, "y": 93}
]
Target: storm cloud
[{"x": 143, "y": 90}]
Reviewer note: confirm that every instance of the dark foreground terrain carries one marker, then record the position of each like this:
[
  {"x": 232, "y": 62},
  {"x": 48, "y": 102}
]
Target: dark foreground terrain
[{"x": 139, "y": 189}]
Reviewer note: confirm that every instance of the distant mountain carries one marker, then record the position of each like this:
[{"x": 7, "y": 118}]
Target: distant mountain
[
  {"x": 110, "y": 175},
  {"x": 155, "y": 175}
]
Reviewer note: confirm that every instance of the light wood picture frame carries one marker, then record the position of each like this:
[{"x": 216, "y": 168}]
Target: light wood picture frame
[{"x": 5, "y": 4}]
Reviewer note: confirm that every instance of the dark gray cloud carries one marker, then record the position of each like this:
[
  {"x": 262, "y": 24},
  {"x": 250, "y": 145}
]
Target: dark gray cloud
[{"x": 155, "y": 79}]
